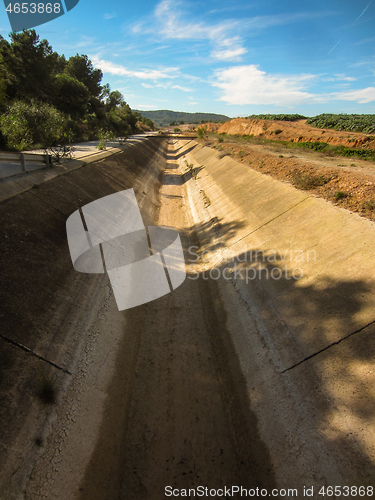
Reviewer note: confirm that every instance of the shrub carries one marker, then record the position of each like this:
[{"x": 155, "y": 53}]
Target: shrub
[
  {"x": 220, "y": 139},
  {"x": 27, "y": 124},
  {"x": 308, "y": 181},
  {"x": 369, "y": 205},
  {"x": 104, "y": 137},
  {"x": 351, "y": 123},
  {"x": 202, "y": 132},
  {"x": 339, "y": 195}
]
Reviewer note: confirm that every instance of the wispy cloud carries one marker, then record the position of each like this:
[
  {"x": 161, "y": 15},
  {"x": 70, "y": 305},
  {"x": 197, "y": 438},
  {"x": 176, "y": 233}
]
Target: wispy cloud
[
  {"x": 172, "y": 19},
  {"x": 229, "y": 49},
  {"x": 364, "y": 10},
  {"x": 184, "y": 89},
  {"x": 165, "y": 85},
  {"x": 109, "y": 16},
  {"x": 351, "y": 26},
  {"x": 362, "y": 96},
  {"x": 85, "y": 41},
  {"x": 146, "y": 106},
  {"x": 341, "y": 77},
  {"x": 170, "y": 22},
  {"x": 333, "y": 48},
  {"x": 146, "y": 74}
]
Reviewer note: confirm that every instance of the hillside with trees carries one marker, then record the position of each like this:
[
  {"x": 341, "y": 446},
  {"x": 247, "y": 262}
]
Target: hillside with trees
[
  {"x": 46, "y": 99},
  {"x": 165, "y": 117}
]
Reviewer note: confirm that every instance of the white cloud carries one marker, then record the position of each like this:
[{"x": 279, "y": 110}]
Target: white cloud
[
  {"x": 172, "y": 20},
  {"x": 117, "y": 69},
  {"x": 109, "y": 16},
  {"x": 346, "y": 78},
  {"x": 250, "y": 85},
  {"x": 184, "y": 89},
  {"x": 233, "y": 54},
  {"x": 85, "y": 41},
  {"x": 192, "y": 103},
  {"x": 145, "y": 106},
  {"x": 171, "y": 24},
  {"x": 362, "y": 96}
]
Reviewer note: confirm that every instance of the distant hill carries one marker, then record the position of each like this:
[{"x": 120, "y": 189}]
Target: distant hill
[{"x": 164, "y": 117}]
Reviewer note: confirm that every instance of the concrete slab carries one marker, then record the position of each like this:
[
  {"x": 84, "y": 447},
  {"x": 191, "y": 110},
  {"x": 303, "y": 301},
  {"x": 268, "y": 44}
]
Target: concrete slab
[{"x": 308, "y": 285}]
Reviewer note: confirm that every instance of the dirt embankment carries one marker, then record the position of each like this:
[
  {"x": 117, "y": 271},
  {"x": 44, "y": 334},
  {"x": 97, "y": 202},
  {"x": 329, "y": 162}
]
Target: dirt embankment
[
  {"x": 298, "y": 131},
  {"x": 346, "y": 182}
]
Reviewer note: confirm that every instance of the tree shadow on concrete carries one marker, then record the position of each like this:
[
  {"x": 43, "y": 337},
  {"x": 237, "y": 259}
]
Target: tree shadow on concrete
[{"x": 321, "y": 333}]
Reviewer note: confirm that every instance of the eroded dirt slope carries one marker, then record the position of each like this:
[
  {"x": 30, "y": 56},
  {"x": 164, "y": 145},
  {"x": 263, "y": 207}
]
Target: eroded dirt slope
[{"x": 298, "y": 131}]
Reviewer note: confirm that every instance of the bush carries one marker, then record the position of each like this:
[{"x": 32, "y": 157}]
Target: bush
[
  {"x": 280, "y": 117},
  {"x": 308, "y": 181},
  {"x": 201, "y": 132},
  {"x": 28, "y": 124},
  {"x": 104, "y": 137},
  {"x": 339, "y": 195},
  {"x": 351, "y": 123},
  {"x": 220, "y": 139}
]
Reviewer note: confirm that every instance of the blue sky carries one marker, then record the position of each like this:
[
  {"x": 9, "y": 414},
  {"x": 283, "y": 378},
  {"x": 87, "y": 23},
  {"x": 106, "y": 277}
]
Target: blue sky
[{"x": 235, "y": 58}]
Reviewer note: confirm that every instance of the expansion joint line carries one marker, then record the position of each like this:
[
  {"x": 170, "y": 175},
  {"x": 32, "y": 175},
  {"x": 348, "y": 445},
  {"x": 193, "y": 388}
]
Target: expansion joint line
[
  {"x": 26, "y": 349},
  {"x": 269, "y": 221},
  {"x": 328, "y": 347},
  {"x": 46, "y": 202}
]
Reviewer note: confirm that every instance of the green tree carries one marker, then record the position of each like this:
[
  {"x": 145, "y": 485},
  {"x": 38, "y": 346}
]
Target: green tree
[
  {"x": 29, "y": 66},
  {"x": 71, "y": 96},
  {"x": 80, "y": 67},
  {"x": 29, "y": 124},
  {"x": 114, "y": 99}
]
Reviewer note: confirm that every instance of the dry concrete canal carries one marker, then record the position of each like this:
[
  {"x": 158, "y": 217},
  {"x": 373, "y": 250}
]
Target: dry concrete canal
[{"x": 256, "y": 373}]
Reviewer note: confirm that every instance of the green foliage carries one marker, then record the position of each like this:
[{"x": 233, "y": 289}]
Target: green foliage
[
  {"x": 220, "y": 139},
  {"x": 80, "y": 67},
  {"x": 27, "y": 124},
  {"x": 281, "y": 117},
  {"x": 339, "y": 195},
  {"x": 47, "y": 100},
  {"x": 202, "y": 132},
  {"x": 351, "y": 123},
  {"x": 364, "y": 154},
  {"x": 28, "y": 66},
  {"x": 104, "y": 137},
  {"x": 71, "y": 96}
]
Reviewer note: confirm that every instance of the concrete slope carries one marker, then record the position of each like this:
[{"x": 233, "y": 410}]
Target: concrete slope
[
  {"x": 144, "y": 398},
  {"x": 298, "y": 277}
]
